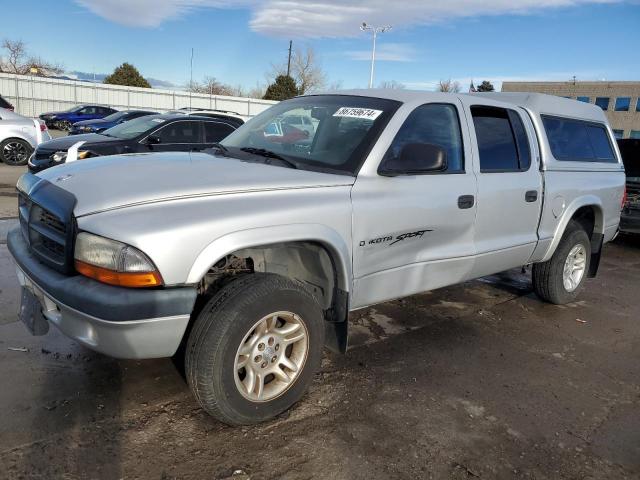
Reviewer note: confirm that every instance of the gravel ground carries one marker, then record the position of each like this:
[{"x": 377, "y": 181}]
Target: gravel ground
[{"x": 481, "y": 380}]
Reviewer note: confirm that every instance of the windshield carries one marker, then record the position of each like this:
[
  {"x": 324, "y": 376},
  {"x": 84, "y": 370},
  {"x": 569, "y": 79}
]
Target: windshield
[
  {"x": 74, "y": 109},
  {"x": 320, "y": 132},
  {"x": 135, "y": 127}
]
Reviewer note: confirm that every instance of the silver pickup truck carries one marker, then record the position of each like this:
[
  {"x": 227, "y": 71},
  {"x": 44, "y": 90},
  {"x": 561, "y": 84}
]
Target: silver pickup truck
[{"x": 245, "y": 261}]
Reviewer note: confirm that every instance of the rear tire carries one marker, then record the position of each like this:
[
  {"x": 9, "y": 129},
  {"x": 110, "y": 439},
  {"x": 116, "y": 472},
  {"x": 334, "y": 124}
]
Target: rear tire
[
  {"x": 254, "y": 348},
  {"x": 15, "y": 151},
  {"x": 560, "y": 279}
]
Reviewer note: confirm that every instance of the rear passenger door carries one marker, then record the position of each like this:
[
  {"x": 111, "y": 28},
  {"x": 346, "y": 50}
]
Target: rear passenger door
[{"x": 509, "y": 186}]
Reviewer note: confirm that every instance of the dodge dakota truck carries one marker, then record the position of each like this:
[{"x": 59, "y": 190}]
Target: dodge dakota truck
[{"x": 245, "y": 260}]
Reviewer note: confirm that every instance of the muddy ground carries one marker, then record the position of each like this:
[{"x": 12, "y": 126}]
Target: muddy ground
[{"x": 481, "y": 380}]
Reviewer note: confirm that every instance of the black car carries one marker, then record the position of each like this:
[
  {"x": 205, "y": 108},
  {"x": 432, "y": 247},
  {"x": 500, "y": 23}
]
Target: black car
[
  {"x": 97, "y": 126},
  {"x": 630, "y": 218},
  {"x": 152, "y": 133},
  {"x": 5, "y": 104}
]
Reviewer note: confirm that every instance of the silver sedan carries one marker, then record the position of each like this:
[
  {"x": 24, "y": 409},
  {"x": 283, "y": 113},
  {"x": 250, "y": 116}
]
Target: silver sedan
[{"x": 19, "y": 136}]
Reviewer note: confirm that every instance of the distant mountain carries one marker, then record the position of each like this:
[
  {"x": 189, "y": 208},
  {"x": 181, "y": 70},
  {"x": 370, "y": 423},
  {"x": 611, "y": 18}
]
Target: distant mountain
[{"x": 99, "y": 77}]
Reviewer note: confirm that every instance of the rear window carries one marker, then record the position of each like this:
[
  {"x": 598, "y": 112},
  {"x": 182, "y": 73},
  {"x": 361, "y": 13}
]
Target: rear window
[{"x": 578, "y": 141}]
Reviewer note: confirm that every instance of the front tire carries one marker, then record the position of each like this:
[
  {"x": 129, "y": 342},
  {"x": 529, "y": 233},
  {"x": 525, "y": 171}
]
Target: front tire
[
  {"x": 15, "y": 151},
  {"x": 560, "y": 279},
  {"x": 254, "y": 348}
]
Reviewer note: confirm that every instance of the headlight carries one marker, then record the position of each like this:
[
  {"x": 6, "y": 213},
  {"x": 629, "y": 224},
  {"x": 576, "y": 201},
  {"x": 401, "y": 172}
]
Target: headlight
[
  {"x": 113, "y": 262},
  {"x": 59, "y": 157}
]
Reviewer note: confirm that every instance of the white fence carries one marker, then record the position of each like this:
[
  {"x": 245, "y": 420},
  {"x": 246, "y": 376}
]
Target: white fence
[{"x": 32, "y": 96}]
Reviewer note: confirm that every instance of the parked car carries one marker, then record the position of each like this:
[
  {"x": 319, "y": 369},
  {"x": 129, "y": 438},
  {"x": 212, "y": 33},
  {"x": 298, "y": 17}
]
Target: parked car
[
  {"x": 201, "y": 112},
  {"x": 65, "y": 119},
  {"x": 630, "y": 152},
  {"x": 150, "y": 133},
  {"x": 300, "y": 122},
  {"x": 101, "y": 124},
  {"x": 5, "y": 104},
  {"x": 245, "y": 261},
  {"x": 19, "y": 136}
]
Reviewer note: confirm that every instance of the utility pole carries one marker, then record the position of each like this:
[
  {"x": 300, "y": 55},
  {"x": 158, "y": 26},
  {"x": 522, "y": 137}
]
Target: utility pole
[
  {"x": 289, "y": 62},
  {"x": 375, "y": 31},
  {"x": 191, "y": 80}
]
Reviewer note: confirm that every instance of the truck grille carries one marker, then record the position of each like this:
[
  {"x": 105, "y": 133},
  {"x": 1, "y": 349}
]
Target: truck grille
[{"x": 49, "y": 236}]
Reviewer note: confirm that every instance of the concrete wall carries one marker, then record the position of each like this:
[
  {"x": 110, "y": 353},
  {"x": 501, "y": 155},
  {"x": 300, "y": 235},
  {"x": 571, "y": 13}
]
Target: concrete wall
[
  {"x": 32, "y": 96},
  {"x": 628, "y": 122}
]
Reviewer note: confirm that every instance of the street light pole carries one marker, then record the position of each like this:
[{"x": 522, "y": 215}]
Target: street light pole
[{"x": 374, "y": 31}]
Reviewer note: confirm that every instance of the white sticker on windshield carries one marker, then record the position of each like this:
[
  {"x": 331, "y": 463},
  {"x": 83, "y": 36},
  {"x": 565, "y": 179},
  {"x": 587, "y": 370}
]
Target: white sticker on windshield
[
  {"x": 157, "y": 120},
  {"x": 355, "y": 112}
]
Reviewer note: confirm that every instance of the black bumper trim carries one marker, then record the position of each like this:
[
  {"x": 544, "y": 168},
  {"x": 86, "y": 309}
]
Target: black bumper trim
[{"x": 102, "y": 301}]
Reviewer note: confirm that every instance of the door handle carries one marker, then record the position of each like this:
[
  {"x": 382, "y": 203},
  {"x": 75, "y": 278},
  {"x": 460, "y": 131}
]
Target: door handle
[
  {"x": 531, "y": 196},
  {"x": 465, "y": 201}
]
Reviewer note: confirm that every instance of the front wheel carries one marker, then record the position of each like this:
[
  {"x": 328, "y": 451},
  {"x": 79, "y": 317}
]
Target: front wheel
[
  {"x": 560, "y": 279},
  {"x": 254, "y": 348},
  {"x": 15, "y": 151}
]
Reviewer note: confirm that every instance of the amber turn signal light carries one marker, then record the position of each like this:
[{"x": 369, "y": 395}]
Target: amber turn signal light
[{"x": 120, "y": 279}]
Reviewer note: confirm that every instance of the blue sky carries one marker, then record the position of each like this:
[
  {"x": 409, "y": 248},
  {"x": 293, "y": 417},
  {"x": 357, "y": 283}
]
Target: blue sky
[{"x": 236, "y": 41}]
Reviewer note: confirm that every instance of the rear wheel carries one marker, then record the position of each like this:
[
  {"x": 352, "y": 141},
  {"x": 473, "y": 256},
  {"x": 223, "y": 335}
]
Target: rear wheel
[
  {"x": 560, "y": 279},
  {"x": 15, "y": 151},
  {"x": 254, "y": 348}
]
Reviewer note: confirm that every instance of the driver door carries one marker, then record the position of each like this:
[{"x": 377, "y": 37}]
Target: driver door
[{"x": 414, "y": 232}]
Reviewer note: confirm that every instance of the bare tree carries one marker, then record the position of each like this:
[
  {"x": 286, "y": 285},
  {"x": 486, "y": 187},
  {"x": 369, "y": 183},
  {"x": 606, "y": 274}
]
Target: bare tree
[
  {"x": 18, "y": 62},
  {"x": 448, "y": 86},
  {"x": 16, "y": 51},
  {"x": 335, "y": 85},
  {"x": 210, "y": 86},
  {"x": 305, "y": 70},
  {"x": 393, "y": 84}
]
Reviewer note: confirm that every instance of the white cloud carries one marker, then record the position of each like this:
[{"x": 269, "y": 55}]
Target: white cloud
[
  {"x": 149, "y": 13},
  {"x": 323, "y": 18},
  {"x": 390, "y": 52}
]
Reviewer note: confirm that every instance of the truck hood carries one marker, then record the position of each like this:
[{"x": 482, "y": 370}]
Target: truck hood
[
  {"x": 105, "y": 183},
  {"x": 64, "y": 143}
]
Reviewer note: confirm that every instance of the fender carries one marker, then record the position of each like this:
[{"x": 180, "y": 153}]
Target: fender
[
  {"x": 19, "y": 135},
  {"x": 577, "y": 203},
  {"x": 255, "y": 237}
]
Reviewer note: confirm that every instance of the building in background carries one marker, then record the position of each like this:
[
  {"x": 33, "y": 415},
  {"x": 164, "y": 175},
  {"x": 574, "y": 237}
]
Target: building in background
[{"x": 619, "y": 100}]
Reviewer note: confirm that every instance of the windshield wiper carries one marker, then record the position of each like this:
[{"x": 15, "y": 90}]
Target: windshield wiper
[{"x": 263, "y": 152}]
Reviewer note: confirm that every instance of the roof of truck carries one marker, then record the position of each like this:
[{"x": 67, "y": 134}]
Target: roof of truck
[{"x": 536, "y": 102}]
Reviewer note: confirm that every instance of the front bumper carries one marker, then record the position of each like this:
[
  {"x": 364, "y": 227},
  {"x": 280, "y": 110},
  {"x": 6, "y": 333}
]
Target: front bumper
[{"x": 120, "y": 322}]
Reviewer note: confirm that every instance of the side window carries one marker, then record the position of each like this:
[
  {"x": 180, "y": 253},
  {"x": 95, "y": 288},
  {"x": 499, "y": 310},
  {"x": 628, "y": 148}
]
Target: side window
[
  {"x": 216, "y": 131},
  {"x": 180, "y": 132},
  {"x": 577, "y": 141},
  {"x": 502, "y": 140},
  {"x": 432, "y": 123},
  {"x": 88, "y": 110}
]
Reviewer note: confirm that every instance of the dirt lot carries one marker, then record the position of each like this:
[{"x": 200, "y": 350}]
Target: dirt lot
[{"x": 475, "y": 381}]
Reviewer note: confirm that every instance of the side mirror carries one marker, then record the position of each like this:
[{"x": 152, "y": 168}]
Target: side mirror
[
  {"x": 153, "y": 140},
  {"x": 414, "y": 159}
]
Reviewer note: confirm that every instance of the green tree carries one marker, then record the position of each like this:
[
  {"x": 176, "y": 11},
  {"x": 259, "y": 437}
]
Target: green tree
[
  {"x": 485, "y": 86},
  {"x": 282, "y": 89},
  {"x": 127, "y": 74}
]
